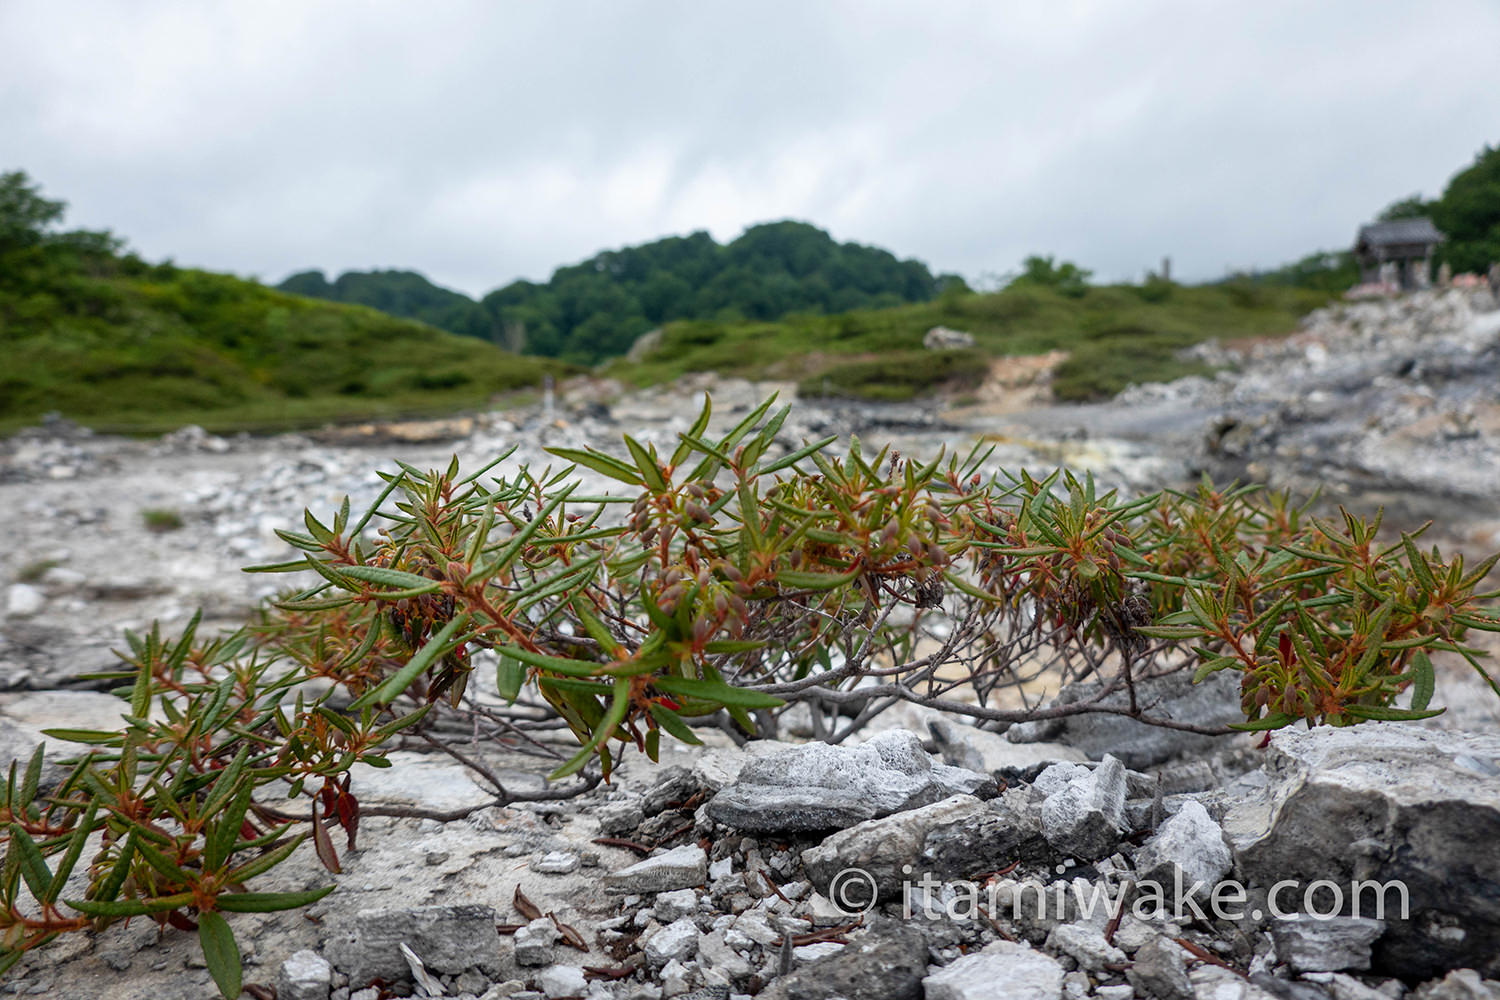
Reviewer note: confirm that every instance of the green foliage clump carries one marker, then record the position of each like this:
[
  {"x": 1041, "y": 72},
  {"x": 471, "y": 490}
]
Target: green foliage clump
[
  {"x": 107, "y": 339},
  {"x": 723, "y": 583},
  {"x": 161, "y": 519},
  {"x": 898, "y": 376},
  {"x": 1044, "y": 272}
]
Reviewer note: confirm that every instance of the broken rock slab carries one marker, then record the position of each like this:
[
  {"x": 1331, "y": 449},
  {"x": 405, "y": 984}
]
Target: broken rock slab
[
  {"x": 821, "y": 787},
  {"x": 448, "y": 940},
  {"x": 949, "y": 839},
  {"x": 682, "y": 867},
  {"x": 1325, "y": 944},
  {"x": 1391, "y": 803}
]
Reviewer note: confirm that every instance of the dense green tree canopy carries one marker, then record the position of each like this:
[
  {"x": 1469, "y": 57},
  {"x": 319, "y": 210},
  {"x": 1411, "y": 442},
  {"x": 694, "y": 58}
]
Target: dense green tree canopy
[
  {"x": 595, "y": 309},
  {"x": 1468, "y": 213}
]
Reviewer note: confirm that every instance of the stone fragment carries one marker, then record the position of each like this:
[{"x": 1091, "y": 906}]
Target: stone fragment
[
  {"x": 1332, "y": 944},
  {"x": 821, "y": 787},
  {"x": 680, "y": 868},
  {"x": 306, "y": 975}
]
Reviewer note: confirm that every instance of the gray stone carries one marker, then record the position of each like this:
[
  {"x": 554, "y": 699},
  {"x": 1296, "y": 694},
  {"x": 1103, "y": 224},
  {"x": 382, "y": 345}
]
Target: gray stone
[
  {"x": 562, "y": 981},
  {"x": 680, "y": 868},
  {"x": 1118, "y": 991},
  {"x": 1214, "y": 702},
  {"x": 823, "y": 787},
  {"x": 714, "y": 952},
  {"x": 1386, "y": 802},
  {"x": 1084, "y": 817},
  {"x": 669, "y": 906},
  {"x": 448, "y": 940},
  {"x": 556, "y": 863},
  {"x": 1018, "y": 970},
  {"x": 1086, "y": 945},
  {"x": 306, "y": 975},
  {"x": 678, "y": 940},
  {"x": 619, "y": 816},
  {"x": 22, "y": 600},
  {"x": 1189, "y": 842},
  {"x": 534, "y": 943},
  {"x": 885, "y": 962},
  {"x": 1343, "y": 987},
  {"x": 1461, "y": 984},
  {"x": 1333, "y": 944},
  {"x": 1159, "y": 969},
  {"x": 953, "y": 838}
]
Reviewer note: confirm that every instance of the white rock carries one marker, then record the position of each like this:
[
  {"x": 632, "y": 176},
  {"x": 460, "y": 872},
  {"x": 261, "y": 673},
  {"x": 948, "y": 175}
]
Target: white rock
[
  {"x": 22, "y": 600},
  {"x": 1312, "y": 944},
  {"x": 562, "y": 981},
  {"x": 557, "y": 863},
  {"x": 678, "y": 940},
  {"x": 670, "y": 906},
  {"x": 1022, "y": 973},
  {"x": 1086, "y": 944},
  {"x": 534, "y": 942},
  {"x": 812, "y": 952},
  {"x": 304, "y": 976},
  {"x": 1190, "y": 842}
]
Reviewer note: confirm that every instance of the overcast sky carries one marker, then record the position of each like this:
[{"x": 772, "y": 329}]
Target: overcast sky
[{"x": 481, "y": 142}]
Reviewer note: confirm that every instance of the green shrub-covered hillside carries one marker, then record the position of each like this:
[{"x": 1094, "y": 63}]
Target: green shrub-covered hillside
[
  {"x": 114, "y": 342},
  {"x": 1116, "y": 334}
]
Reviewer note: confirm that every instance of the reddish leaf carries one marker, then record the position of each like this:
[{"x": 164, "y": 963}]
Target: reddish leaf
[
  {"x": 524, "y": 906},
  {"x": 324, "y": 843},
  {"x": 348, "y": 811},
  {"x": 570, "y": 935},
  {"x": 181, "y": 921}
]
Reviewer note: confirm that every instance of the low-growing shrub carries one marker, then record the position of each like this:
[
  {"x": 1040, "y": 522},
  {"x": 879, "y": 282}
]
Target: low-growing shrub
[{"x": 719, "y": 583}]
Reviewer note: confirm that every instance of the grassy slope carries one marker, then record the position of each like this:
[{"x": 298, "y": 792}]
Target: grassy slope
[
  {"x": 1116, "y": 336},
  {"x": 152, "y": 348}
]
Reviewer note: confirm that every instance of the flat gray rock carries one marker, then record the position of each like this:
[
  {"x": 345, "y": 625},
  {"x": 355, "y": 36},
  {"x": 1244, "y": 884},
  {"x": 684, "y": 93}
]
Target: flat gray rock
[{"x": 821, "y": 787}]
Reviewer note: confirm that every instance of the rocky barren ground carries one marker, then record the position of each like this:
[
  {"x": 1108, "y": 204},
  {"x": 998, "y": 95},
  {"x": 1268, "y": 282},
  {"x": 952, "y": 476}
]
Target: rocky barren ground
[{"x": 719, "y": 873}]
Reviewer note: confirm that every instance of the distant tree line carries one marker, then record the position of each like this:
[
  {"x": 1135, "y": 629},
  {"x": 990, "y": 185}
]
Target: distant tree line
[{"x": 596, "y": 309}]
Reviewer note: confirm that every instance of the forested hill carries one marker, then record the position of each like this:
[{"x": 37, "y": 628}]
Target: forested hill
[
  {"x": 595, "y": 309},
  {"x": 400, "y": 293}
]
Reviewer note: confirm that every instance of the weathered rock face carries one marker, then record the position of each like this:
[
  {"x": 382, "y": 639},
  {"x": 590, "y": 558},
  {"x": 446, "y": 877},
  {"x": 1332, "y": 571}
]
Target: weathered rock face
[
  {"x": 823, "y": 787},
  {"x": 1387, "y": 802}
]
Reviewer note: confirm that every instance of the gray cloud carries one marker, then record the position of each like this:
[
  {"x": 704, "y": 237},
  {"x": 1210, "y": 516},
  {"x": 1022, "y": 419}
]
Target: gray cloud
[{"x": 479, "y": 142}]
